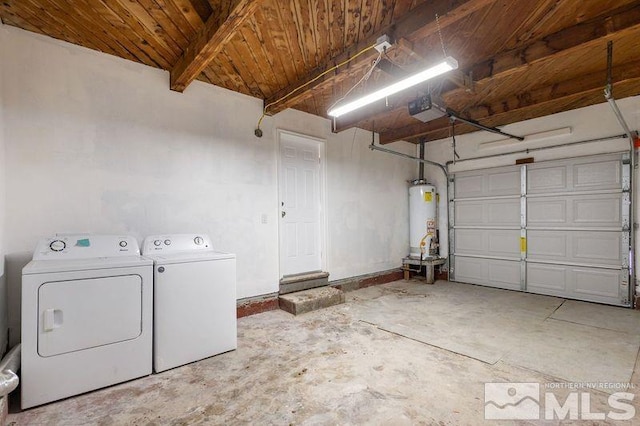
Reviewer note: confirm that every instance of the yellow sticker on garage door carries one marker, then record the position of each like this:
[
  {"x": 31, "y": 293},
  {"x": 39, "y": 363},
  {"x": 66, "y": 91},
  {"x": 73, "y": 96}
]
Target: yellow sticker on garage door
[
  {"x": 523, "y": 244},
  {"x": 428, "y": 197}
]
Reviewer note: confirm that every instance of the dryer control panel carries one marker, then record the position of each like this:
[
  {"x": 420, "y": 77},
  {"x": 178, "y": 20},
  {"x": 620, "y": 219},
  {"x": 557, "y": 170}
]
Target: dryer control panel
[
  {"x": 85, "y": 246},
  {"x": 176, "y": 243}
]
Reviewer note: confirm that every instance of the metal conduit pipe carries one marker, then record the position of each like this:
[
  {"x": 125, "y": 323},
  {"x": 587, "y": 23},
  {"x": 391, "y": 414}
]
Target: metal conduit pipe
[
  {"x": 9, "y": 367},
  {"x": 411, "y": 157},
  {"x": 544, "y": 148}
]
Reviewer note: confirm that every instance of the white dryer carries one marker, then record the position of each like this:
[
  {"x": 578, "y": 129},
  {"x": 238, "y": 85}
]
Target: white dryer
[
  {"x": 194, "y": 299},
  {"x": 87, "y": 305}
]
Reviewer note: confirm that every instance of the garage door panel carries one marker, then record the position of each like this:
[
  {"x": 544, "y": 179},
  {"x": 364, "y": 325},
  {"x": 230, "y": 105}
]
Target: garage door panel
[
  {"x": 468, "y": 186},
  {"x": 546, "y": 278},
  {"x": 547, "y": 179},
  {"x": 489, "y": 272},
  {"x": 598, "y": 247},
  {"x": 504, "y": 183},
  {"x": 488, "y": 213},
  {"x": 600, "y": 210},
  {"x": 470, "y": 241},
  {"x": 545, "y": 211},
  {"x": 590, "y": 284},
  {"x": 596, "y": 283},
  {"x": 584, "y": 174},
  {"x": 546, "y": 245},
  {"x": 572, "y": 237},
  {"x": 488, "y": 242},
  {"x": 586, "y": 247},
  {"x": 490, "y": 183},
  {"x": 597, "y": 175}
]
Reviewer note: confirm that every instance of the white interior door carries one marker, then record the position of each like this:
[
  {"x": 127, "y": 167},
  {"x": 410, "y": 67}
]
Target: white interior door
[{"x": 300, "y": 205}]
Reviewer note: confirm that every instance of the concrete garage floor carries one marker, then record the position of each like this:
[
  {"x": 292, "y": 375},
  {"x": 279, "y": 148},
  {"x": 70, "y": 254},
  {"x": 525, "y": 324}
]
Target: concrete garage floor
[{"x": 399, "y": 353}]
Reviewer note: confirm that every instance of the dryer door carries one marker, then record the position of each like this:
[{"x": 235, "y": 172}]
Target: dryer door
[{"x": 82, "y": 314}]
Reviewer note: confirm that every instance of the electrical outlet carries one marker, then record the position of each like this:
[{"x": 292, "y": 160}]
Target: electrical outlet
[{"x": 264, "y": 218}]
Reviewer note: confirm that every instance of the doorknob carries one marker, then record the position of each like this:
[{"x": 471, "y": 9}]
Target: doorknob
[{"x": 284, "y": 214}]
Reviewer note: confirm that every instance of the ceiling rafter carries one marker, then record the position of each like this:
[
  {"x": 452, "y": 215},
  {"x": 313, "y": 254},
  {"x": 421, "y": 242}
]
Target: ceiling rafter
[
  {"x": 497, "y": 113},
  {"x": 219, "y": 29},
  {"x": 419, "y": 20},
  {"x": 558, "y": 44}
]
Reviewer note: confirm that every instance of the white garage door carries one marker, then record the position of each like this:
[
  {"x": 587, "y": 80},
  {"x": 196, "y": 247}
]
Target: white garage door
[{"x": 559, "y": 228}]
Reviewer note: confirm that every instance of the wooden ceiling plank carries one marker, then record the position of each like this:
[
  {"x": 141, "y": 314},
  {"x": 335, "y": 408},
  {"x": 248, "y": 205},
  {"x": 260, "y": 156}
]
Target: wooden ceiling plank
[
  {"x": 210, "y": 40},
  {"x": 251, "y": 52},
  {"x": 219, "y": 76},
  {"x": 9, "y": 17},
  {"x": 321, "y": 31},
  {"x": 202, "y": 7},
  {"x": 400, "y": 8},
  {"x": 37, "y": 18},
  {"x": 352, "y": 21},
  {"x": 559, "y": 43},
  {"x": 223, "y": 61},
  {"x": 367, "y": 16},
  {"x": 188, "y": 11},
  {"x": 336, "y": 26},
  {"x": 409, "y": 24},
  {"x": 293, "y": 39},
  {"x": 72, "y": 21},
  {"x": 100, "y": 18},
  {"x": 265, "y": 48},
  {"x": 562, "y": 43},
  {"x": 236, "y": 60},
  {"x": 177, "y": 18},
  {"x": 143, "y": 12},
  {"x": 124, "y": 21},
  {"x": 275, "y": 40},
  {"x": 498, "y": 112},
  {"x": 301, "y": 12}
]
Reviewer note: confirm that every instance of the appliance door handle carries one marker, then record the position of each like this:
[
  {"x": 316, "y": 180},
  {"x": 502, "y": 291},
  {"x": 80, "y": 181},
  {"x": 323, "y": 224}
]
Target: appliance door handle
[{"x": 52, "y": 319}]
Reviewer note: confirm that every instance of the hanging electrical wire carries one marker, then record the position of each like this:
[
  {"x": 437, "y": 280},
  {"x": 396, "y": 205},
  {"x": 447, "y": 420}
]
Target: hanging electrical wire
[
  {"x": 364, "y": 78},
  {"x": 452, "y": 133},
  {"x": 258, "y": 131}
]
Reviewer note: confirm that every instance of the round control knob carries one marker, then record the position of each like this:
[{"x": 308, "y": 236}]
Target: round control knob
[
  {"x": 57, "y": 245},
  {"x": 167, "y": 242},
  {"x": 157, "y": 243},
  {"x": 198, "y": 240},
  {"x": 123, "y": 243}
]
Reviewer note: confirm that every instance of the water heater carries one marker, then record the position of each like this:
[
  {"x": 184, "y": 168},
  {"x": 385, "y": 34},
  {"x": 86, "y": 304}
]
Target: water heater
[{"x": 422, "y": 218}]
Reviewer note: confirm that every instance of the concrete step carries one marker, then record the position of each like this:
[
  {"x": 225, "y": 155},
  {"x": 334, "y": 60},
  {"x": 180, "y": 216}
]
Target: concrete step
[
  {"x": 293, "y": 283},
  {"x": 311, "y": 300}
]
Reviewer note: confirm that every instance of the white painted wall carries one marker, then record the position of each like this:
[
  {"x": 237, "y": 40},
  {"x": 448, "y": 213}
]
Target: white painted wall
[
  {"x": 3, "y": 287},
  {"x": 98, "y": 144},
  {"x": 588, "y": 123}
]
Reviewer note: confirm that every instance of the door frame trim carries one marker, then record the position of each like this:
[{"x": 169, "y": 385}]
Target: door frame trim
[{"x": 323, "y": 194}]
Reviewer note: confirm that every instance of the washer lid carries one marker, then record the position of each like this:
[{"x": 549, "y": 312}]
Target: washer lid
[
  {"x": 68, "y": 265},
  {"x": 185, "y": 257}
]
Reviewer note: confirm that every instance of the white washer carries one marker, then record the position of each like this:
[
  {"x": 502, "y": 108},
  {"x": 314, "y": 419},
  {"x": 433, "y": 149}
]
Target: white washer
[
  {"x": 87, "y": 305},
  {"x": 194, "y": 299}
]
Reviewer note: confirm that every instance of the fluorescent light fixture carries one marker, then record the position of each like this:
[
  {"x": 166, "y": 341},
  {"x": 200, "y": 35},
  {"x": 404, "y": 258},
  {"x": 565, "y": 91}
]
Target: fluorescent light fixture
[{"x": 446, "y": 65}]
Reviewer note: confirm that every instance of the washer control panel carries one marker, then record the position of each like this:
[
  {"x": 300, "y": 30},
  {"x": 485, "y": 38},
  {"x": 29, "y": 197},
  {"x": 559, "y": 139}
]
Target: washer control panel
[
  {"x": 85, "y": 246},
  {"x": 176, "y": 243}
]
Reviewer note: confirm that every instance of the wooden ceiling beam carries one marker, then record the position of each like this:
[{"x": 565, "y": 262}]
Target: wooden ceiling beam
[
  {"x": 209, "y": 41},
  {"x": 561, "y": 43},
  {"x": 497, "y": 113},
  {"x": 420, "y": 20}
]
